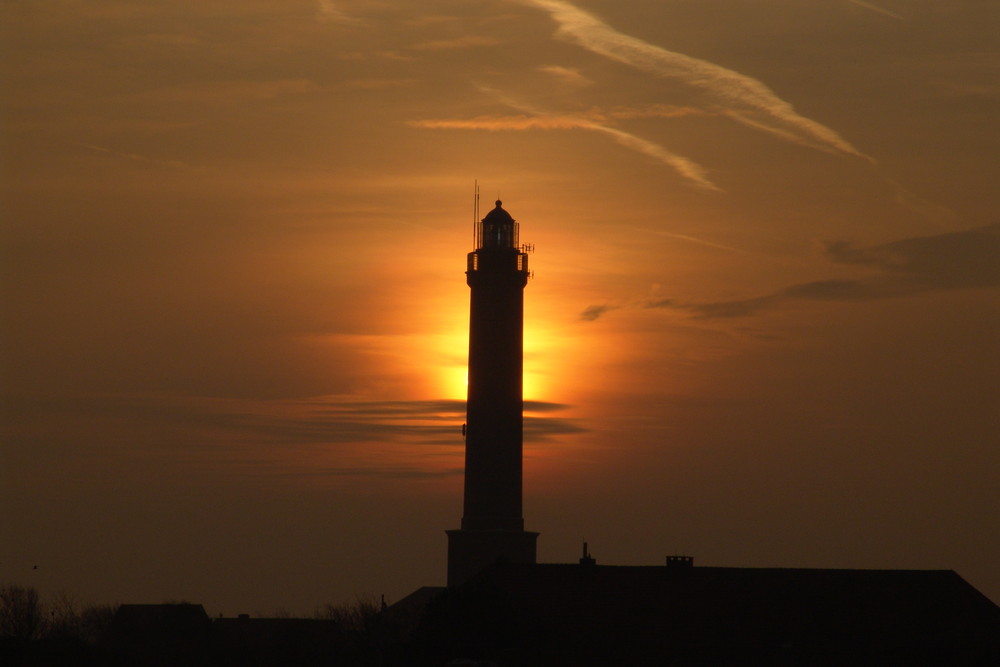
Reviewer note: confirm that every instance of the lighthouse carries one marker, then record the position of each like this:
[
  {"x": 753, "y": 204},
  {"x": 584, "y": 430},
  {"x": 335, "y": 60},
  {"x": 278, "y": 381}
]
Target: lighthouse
[{"x": 492, "y": 520}]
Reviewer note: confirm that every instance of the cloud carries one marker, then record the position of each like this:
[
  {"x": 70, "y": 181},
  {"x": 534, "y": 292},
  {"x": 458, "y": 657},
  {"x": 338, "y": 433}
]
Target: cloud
[
  {"x": 135, "y": 157},
  {"x": 568, "y": 75},
  {"x": 687, "y": 168},
  {"x": 384, "y": 472},
  {"x": 723, "y": 309},
  {"x": 503, "y": 123},
  {"x": 593, "y": 121},
  {"x": 332, "y": 419},
  {"x": 428, "y": 422},
  {"x": 464, "y": 42},
  {"x": 539, "y": 429},
  {"x": 536, "y": 406},
  {"x": 869, "y": 6},
  {"x": 379, "y": 83},
  {"x": 698, "y": 241},
  {"x": 926, "y": 209},
  {"x": 591, "y": 313},
  {"x": 327, "y": 11},
  {"x": 535, "y": 120},
  {"x": 227, "y": 93},
  {"x": 255, "y": 426},
  {"x": 740, "y": 96},
  {"x": 831, "y": 290},
  {"x": 957, "y": 260}
]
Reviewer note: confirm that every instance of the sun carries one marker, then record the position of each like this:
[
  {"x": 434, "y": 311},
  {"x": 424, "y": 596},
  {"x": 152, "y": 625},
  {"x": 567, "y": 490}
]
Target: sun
[
  {"x": 455, "y": 380},
  {"x": 538, "y": 353},
  {"x": 452, "y": 377}
]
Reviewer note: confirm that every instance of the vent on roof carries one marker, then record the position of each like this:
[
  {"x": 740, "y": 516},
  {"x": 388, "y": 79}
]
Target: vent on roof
[
  {"x": 680, "y": 561},
  {"x": 587, "y": 559}
]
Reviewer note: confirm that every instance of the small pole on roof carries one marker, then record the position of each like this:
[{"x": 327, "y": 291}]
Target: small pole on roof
[
  {"x": 587, "y": 559},
  {"x": 475, "y": 212}
]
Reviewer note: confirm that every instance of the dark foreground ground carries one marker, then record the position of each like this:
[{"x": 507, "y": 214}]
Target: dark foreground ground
[{"x": 578, "y": 615}]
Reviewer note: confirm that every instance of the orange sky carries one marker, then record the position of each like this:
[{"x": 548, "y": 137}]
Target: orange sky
[{"x": 762, "y": 328}]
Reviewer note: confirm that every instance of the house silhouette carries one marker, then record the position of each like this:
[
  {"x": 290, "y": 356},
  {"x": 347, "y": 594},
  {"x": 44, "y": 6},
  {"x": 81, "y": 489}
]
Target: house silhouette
[{"x": 678, "y": 614}]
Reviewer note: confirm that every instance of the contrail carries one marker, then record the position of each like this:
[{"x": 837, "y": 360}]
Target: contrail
[
  {"x": 682, "y": 165},
  {"x": 501, "y": 123},
  {"x": 736, "y": 94},
  {"x": 177, "y": 164},
  {"x": 868, "y": 5},
  {"x": 694, "y": 239},
  {"x": 689, "y": 169},
  {"x": 534, "y": 119},
  {"x": 328, "y": 11},
  {"x": 567, "y": 74}
]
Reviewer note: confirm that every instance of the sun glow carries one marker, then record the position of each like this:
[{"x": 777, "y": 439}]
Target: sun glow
[
  {"x": 538, "y": 354},
  {"x": 455, "y": 380},
  {"x": 452, "y": 377},
  {"x": 439, "y": 353}
]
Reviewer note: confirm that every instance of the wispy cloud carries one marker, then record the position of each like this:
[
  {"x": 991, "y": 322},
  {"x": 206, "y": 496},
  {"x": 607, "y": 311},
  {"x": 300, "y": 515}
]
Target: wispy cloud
[
  {"x": 968, "y": 259},
  {"x": 327, "y": 10},
  {"x": 323, "y": 435},
  {"x": 464, "y": 42},
  {"x": 502, "y": 123},
  {"x": 740, "y": 96},
  {"x": 321, "y": 420},
  {"x": 956, "y": 260},
  {"x": 869, "y": 6},
  {"x": 536, "y": 120},
  {"x": 698, "y": 241},
  {"x": 135, "y": 157},
  {"x": 591, "y": 313},
  {"x": 595, "y": 121},
  {"x": 687, "y": 168},
  {"x": 567, "y": 75},
  {"x": 229, "y": 92}
]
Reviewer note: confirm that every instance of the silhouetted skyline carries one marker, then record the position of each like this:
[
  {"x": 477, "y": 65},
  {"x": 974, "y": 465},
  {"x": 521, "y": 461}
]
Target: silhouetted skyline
[{"x": 233, "y": 324}]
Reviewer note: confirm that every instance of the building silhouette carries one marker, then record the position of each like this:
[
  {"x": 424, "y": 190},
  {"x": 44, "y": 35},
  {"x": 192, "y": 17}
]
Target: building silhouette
[
  {"x": 677, "y": 613},
  {"x": 492, "y": 522}
]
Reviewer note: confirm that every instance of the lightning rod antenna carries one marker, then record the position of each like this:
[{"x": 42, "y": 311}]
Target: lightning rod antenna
[{"x": 475, "y": 213}]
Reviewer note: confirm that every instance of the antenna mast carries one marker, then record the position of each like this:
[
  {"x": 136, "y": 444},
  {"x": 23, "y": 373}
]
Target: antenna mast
[{"x": 475, "y": 215}]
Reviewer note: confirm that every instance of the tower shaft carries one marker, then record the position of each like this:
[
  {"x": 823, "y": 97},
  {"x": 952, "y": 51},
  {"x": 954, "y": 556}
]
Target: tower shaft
[{"x": 493, "y": 440}]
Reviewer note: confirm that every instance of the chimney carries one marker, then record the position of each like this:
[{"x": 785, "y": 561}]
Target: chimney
[{"x": 586, "y": 558}]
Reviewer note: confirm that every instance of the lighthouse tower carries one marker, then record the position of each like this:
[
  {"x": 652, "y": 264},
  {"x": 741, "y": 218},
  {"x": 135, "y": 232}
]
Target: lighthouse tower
[{"x": 492, "y": 522}]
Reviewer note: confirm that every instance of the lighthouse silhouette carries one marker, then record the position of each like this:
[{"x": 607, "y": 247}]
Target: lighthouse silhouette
[{"x": 492, "y": 522}]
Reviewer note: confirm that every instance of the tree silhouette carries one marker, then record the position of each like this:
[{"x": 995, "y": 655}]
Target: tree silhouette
[{"x": 21, "y": 614}]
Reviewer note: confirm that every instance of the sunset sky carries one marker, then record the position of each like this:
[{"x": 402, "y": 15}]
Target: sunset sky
[{"x": 762, "y": 331}]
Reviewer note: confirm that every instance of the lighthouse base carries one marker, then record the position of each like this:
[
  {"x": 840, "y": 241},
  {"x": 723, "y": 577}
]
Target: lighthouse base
[{"x": 472, "y": 551}]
